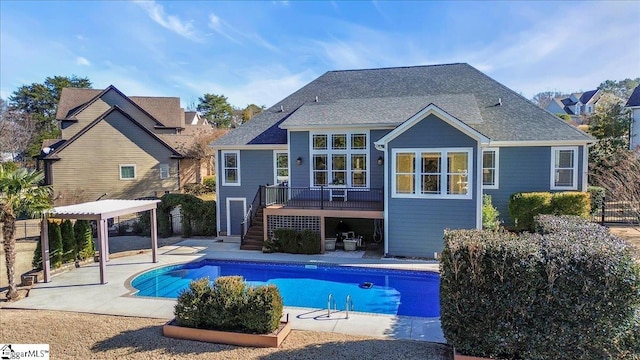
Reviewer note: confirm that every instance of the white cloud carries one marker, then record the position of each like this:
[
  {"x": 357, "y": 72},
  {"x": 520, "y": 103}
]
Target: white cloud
[
  {"x": 82, "y": 61},
  {"x": 171, "y": 22},
  {"x": 234, "y": 35}
]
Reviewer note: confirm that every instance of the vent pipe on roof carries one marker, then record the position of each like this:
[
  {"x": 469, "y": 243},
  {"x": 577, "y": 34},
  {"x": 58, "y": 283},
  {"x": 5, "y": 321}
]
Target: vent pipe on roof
[
  {"x": 316, "y": 99},
  {"x": 499, "y": 102},
  {"x": 281, "y": 108}
]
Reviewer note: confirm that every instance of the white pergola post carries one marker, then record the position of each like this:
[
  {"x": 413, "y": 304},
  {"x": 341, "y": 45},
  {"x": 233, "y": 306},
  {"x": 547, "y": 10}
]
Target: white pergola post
[
  {"x": 44, "y": 246},
  {"x": 154, "y": 236}
]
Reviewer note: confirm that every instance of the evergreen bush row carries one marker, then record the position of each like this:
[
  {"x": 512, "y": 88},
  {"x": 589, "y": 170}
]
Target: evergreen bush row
[
  {"x": 524, "y": 206},
  {"x": 67, "y": 242},
  {"x": 229, "y": 305},
  {"x": 568, "y": 292},
  {"x": 294, "y": 242}
]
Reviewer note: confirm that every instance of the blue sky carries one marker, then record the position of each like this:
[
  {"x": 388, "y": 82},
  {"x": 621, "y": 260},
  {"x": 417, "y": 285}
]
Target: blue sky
[{"x": 259, "y": 52}]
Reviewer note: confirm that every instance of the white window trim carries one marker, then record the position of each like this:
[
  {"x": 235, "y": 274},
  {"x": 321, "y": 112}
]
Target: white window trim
[
  {"x": 224, "y": 173},
  {"x": 348, "y": 152},
  {"x": 496, "y": 183},
  {"x": 135, "y": 171},
  {"x": 275, "y": 165},
  {"x": 553, "y": 168},
  {"x": 443, "y": 173},
  {"x": 160, "y": 166}
]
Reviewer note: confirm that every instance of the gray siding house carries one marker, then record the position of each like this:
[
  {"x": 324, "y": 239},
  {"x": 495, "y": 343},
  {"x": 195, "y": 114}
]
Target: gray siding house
[
  {"x": 634, "y": 104},
  {"x": 396, "y": 155}
]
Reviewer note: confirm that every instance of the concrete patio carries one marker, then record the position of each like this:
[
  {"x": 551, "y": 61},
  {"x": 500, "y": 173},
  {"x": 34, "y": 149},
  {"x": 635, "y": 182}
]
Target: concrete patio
[{"x": 80, "y": 290}]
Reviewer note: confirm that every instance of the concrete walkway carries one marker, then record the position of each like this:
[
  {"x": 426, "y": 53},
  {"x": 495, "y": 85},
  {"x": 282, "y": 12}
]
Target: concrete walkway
[{"x": 79, "y": 290}]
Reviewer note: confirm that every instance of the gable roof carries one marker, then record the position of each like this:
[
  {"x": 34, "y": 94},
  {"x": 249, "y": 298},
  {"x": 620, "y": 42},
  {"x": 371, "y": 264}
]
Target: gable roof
[
  {"x": 515, "y": 119},
  {"x": 634, "y": 99},
  {"x": 165, "y": 111},
  {"x": 54, "y": 154}
]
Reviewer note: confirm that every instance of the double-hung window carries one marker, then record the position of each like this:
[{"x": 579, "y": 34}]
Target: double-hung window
[
  {"x": 127, "y": 172},
  {"x": 340, "y": 159},
  {"x": 564, "y": 168},
  {"x": 432, "y": 173},
  {"x": 164, "y": 171},
  {"x": 490, "y": 161},
  {"x": 231, "y": 168}
]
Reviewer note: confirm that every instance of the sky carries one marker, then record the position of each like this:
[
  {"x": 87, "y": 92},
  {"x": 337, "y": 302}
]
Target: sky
[{"x": 260, "y": 52}]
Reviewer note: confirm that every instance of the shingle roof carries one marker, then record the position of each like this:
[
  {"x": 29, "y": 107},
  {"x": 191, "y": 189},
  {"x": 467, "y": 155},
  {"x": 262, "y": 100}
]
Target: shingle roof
[
  {"x": 166, "y": 110},
  {"x": 517, "y": 119},
  {"x": 382, "y": 111},
  {"x": 634, "y": 100},
  {"x": 587, "y": 96}
]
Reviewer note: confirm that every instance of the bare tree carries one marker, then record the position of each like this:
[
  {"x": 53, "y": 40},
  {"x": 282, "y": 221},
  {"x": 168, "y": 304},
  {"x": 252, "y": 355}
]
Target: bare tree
[
  {"x": 621, "y": 178},
  {"x": 17, "y": 131}
]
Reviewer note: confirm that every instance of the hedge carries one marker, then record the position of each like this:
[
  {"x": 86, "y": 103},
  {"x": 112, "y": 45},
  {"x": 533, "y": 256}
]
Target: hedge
[
  {"x": 198, "y": 217},
  {"x": 84, "y": 239},
  {"x": 294, "y": 242},
  {"x": 523, "y": 207},
  {"x": 68, "y": 242},
  {"x": 229, "y": 305},
  {"x": 535, "y": 296}
]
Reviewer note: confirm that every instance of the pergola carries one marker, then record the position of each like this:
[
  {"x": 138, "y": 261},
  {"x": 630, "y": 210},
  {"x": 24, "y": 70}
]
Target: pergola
[{"x": 100, "y": 211}]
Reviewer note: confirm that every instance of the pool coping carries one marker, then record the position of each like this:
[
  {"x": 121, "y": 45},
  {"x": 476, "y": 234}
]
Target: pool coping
[{"x": 80, "y": 291}]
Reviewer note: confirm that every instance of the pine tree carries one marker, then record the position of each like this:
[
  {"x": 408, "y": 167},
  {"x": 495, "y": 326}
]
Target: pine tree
[
  {"x": 55, "y": 244},
  {"x": 68, "y": 242}
]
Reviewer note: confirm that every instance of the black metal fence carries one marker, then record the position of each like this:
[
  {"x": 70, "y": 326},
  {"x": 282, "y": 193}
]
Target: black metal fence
[{"x": 616, "y": 212}]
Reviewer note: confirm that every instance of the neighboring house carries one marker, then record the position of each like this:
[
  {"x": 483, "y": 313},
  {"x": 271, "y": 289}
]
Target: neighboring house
[
  {"x": 577, "y": 105},
  {"x": 410, "y": 148},
  {"x": 634, "y": 104},
  {"x": 121, "y": 146}
]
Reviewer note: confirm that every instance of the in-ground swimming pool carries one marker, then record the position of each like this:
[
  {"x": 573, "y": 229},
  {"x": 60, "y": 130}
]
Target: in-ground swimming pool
[{"x": 383, "y": 291}]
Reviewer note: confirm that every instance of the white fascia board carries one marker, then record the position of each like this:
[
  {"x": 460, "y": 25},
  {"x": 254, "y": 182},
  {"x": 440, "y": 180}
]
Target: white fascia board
[
  {"x": 441, "y": 114},
  {"x": 250, "y": 147},
  {"x": 539, "y": 143},
  {"x": 333, "y": 127}
]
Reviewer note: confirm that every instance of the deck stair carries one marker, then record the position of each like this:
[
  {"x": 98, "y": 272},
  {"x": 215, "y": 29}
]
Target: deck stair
[{"x": 255, "y": 236}]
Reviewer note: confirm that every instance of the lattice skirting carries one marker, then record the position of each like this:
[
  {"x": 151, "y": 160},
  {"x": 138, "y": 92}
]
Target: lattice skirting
[{"x": 292, "y": 222}]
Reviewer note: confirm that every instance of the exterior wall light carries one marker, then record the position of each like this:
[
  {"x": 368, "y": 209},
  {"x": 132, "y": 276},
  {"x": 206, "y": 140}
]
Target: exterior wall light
[
  {"x": 299, "y": 160},
  {"x": 380, "y": 161}
]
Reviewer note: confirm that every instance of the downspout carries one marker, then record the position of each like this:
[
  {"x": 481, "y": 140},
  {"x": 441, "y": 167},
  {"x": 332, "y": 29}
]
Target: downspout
[
  {"x": 382, "y": 147},
  {"x": 179, "y": 182}
]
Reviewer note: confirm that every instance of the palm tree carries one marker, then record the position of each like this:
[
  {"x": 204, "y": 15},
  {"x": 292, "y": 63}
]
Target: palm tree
[{"x": 19, "y": 193}]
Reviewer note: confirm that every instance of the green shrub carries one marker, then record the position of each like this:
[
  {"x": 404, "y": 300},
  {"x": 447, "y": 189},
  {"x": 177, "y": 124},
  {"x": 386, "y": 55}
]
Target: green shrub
[
  {"x": 571, "y": 203},
  {"x": 538, "y": 296},
  {"x": 597, "y": 194},
  {"x": 84, "y": 239},
  {"x": 198, "y": 217},
  {"x": 55, "y": 244},
  {"x": 36, "y": 263},
  {"x": 547, "y": 224},
  {"x": 309, "y": 242},
  {"x": 287, "y": 240},
  {"x": 263, "y": 309},
  {"x": 229, "y": 305},
  {"x": 68, "y": 241},
  {"x": 523, "y": 207},
  {"x": 210, "y": 183},
  {"x": 489, "y": 214},
  {"x": 195, "y": 189}
]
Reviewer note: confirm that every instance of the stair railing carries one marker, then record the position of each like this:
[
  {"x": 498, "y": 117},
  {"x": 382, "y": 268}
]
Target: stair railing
[{"x": 257, "y": 203}]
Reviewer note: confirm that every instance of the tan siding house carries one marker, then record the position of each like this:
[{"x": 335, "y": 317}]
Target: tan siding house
[{"x": 119, "y": 147}]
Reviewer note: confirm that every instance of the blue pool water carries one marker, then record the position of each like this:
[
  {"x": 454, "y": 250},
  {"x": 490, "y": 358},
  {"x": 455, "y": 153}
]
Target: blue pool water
[{"x": 397, "y": 292}]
